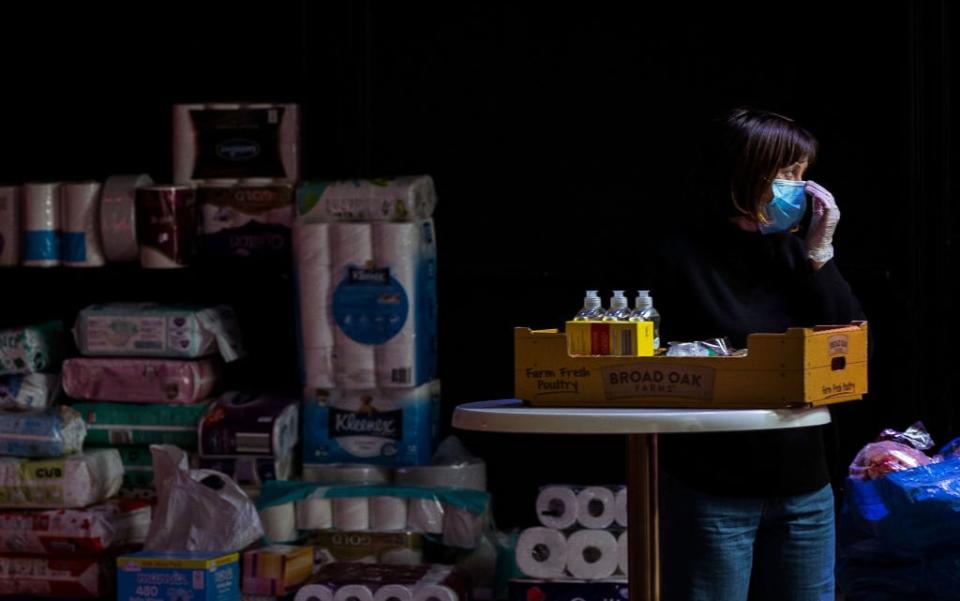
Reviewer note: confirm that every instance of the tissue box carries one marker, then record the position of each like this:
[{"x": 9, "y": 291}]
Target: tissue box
[
  {"x": 276, "y": 570},
  {"x": 185, "y": 576},
  {"x": 380, "y": 426}
]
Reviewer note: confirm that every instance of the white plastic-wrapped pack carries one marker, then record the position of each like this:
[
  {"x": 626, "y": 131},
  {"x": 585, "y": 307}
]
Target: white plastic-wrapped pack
[
  {"x": 66, "y": 482},
  {"x": 54, "y": 432}
]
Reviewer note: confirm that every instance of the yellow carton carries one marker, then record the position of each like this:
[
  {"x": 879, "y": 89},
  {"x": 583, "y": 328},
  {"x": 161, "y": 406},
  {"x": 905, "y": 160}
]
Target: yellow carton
[
  {"x": 622, "y": 338},
  {"x": 801, "y": 367}
]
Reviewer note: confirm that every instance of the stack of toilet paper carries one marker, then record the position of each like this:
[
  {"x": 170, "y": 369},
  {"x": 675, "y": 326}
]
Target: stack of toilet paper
[
  {"x": 291, "y": 510},
  {"x": 250, "y": 437},
  {"x": 246, "y": 218},
  {"x": 581, "y": 534},
  {"x": 366, "y": 582},
  {"x": 74, "y": 224},
  {"x": 145, "y": 378}
]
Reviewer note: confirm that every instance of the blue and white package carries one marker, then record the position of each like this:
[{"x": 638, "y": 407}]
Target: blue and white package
[
  {"x": 30, "y": 391},
  {"x": 368, "y": 304},
  {"x": 378, "y": 426},
  {"x": 56, "y": 432},
  {"x": 180, "y": 575}
]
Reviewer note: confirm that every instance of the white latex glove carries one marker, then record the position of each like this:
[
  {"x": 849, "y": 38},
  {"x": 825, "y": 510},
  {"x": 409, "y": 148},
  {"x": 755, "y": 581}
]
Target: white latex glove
[{"x": 823, "y": 222}]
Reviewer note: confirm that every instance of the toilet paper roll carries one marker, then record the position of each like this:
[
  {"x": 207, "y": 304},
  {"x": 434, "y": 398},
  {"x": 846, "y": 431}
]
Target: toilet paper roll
[
  {"x": 352, "y": 252},
  {"x": 315, "y": 514},
  {"x": 425, "y": 515},
  {"x": 279, "y": 523},
  {"x": 353, "y": 592},
  {"x": 9, "y": 226},
  {"x": 358, "y": 473},
  {"x": 557, "y": 507},
  {"x": 395, "y": 245},
  {"x": 592, "y": 554},
  {"x": 314, "y": 592},
  {"x": 622, "y": 553},
  {"x": 118, "y": 217},
  {"x": 620, "y": 502},
  {"x": 434, "y": 592},
  {"x": 311, "y": 248},
  {"x": 393, "y": 592},
  {"x": 80, "y": 220},
  {"x": 542, "y": 553},
  {"x": 351, "y": 513},
  {"x": 402, "y": 557},
  {"x": 461, "y": 528},
  {"x": 40, "y": 212},
  {"x": 470, "y": 476},
  {"x": 596, "y": 507},
  {"x": 388, "y": 514},
  {"x": 167, "y": 226}
]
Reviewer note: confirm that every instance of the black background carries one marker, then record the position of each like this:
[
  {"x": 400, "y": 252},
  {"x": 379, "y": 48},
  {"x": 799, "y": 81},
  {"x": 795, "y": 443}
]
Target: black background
[{"x": 559, "y": 140}]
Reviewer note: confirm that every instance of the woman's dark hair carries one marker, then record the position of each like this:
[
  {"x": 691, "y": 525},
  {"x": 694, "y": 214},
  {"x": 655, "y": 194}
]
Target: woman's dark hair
[{"x": 742, "y": 154}]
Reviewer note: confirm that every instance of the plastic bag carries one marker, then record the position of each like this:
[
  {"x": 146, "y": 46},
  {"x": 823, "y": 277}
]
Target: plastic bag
[
  {"x": 198, "y": 510},
  {"x": 714, "y": 347},
  {"x": 893, "y": 452}
]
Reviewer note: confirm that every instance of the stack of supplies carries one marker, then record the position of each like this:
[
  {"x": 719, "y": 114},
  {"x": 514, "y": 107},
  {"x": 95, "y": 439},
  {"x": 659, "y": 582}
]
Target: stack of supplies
[
  {"x": 581, "y": 535},
  {"x": 145, "y": 377}
]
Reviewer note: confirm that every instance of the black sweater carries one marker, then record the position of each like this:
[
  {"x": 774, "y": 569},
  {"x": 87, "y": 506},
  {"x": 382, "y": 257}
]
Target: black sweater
[{"x": 728, "y": 282}]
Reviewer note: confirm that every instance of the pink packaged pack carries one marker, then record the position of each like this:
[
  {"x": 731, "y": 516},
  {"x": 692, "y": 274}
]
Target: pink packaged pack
[{"x": 140, "y": 380}]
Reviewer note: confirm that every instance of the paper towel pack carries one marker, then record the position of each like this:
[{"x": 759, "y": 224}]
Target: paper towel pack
[
  {"x": 381, "y": 426},
  {"x": 368, "y": 306},
  {"x": 212, "y": 141}
]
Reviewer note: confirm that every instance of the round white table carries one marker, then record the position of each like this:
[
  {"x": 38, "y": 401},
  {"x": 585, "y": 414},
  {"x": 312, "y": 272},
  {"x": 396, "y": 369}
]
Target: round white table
[{"x": 641, "y": 427}]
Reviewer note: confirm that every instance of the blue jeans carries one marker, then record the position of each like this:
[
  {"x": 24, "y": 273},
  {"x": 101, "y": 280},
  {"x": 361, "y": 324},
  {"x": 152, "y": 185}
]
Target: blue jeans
[{"x": 726, "y": 548}]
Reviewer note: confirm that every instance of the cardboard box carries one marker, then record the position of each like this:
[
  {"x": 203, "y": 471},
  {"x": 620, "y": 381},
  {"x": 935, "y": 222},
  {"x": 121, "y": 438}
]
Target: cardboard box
[
  {"x": 621, "y": 338},
  {"x": 801, "y": 367},
  {"x": 276, "y": 570},
  {"x": 185, "y": 576}
]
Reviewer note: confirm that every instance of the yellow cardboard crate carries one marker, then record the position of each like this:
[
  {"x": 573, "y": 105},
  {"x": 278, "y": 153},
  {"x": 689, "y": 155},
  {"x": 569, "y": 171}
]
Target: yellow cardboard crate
[{"x": 801, "y": 367}]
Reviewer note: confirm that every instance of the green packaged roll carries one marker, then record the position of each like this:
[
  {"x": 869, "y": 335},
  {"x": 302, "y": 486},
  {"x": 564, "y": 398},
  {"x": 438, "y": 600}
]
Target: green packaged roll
[
  {"x": 34, "y": 349},
  {"x": 123, "y": 424}
]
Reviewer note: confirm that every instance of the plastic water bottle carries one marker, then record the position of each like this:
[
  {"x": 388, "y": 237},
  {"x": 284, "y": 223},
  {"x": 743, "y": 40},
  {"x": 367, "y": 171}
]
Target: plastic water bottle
[
  {"x": 619, "y": 308},
  {"x": 591, "y": 311},
  {"x": 645, "y": 311}
]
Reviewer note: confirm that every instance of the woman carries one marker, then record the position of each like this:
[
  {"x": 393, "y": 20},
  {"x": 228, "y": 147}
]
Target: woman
[{"x": 751, "y": 513}]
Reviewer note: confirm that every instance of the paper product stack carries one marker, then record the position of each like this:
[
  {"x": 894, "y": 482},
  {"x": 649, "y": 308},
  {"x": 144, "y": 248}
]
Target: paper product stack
[
  {"x": 60, "y": 527},
  {"x": 365, "y": 261},
  {"x": 580, "y": 548},
  {"x": 145, "y": 377}
]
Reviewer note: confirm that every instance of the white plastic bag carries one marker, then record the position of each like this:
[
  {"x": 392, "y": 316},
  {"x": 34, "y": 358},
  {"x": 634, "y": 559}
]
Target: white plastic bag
[{"x": 198, "y": 510}]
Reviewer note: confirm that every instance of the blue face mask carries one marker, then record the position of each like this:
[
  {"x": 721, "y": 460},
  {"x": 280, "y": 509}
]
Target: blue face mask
[{"x": 786, "y": 209}]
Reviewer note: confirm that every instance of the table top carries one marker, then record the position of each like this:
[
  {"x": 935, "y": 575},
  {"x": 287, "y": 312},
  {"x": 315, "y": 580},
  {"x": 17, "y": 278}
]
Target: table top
[{"x": 512, "y": 415}]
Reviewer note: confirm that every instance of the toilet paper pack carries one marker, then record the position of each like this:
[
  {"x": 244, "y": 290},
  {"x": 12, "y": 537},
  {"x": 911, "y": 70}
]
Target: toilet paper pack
[
  {"x": 379, "y": 426},
  {"x": 523, "y": 589},
  {"x": 233, "y": 140},
  {"x": 407, "y": 198},
  {"x": 368, "y": 304},
  {"x": 247, "y": 219},
  {"x": 402, "y": 548},
  {"x": 250, "y": 424}
]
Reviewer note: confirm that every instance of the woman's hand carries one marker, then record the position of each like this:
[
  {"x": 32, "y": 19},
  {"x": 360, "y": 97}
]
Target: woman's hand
[{"x": 823, "y": 222}]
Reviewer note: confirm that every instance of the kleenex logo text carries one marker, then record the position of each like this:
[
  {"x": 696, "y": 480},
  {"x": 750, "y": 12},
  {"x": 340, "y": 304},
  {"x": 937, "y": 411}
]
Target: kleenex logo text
[{"x": 238, "y": 150}]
